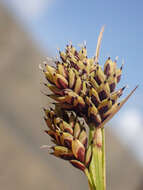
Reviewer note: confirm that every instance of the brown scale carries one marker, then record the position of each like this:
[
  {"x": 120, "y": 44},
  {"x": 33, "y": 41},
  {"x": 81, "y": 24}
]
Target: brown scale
[
  {"x": 103, "y": 110},
  {"x": 95, "y": 101},
  {"x": 112, "y": 86},
  {"x": 97, "y": 79},
  {"x": 94, "y": 118},
  {"x": 67, "y": 142},
  {"x": 81, "y": 155},
  {"x": 102, "y": 95},
  {"x": 76, "y": 55},
  {"x": 113, "y": 102},
  {"x": 107, "y": 69},
  {"x": 74, "y": 65},
  {"x": 96, "y": 76},
  {"x": 119, "y": 76}
]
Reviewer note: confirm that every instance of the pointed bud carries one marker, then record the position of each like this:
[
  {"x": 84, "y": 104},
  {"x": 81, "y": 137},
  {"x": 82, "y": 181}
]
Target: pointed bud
[
  {"x": 83, "y": 138},
  {"x": 78, "y": 150},
  {"x": 93, "y": 115},
  {"x": 55, "y": 90},
  {"x": 99, "y": 75},
  {"x": 94, "y": 96},
  {"x": 62, "y": 81},
  {"x": 78, "y": 85},
  {"x": 104, "y": 90},
  {"x": 66, "y": 139},
  {"x": 62, "y": 152},
  {"x": 54, "y": 135},
  {"x": 49, "y": 77},
  {"x": 77, "y": 129},
  {"x": 67, "y": 127}
]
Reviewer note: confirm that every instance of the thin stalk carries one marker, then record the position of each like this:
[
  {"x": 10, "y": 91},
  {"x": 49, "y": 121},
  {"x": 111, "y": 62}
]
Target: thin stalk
[
  {"x": 92, "y": 164},
  {"x": 89, "y": 179},
  {"x": 97, "y": 165},
  {"x": 97, "y": 154},
  {"x": 103, "y": 157}
]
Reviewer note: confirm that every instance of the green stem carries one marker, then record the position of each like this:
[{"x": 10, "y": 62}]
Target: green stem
[
  {"x": 89, "y": 179},
  {"x": 97, "y": 165},
  {"x": 92, "y": 163},
  {"x": 103, "y": 158}
]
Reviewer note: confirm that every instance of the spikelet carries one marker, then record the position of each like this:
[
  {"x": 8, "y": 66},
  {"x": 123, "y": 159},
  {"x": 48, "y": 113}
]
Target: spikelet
[{"x": 69, "y": 136}]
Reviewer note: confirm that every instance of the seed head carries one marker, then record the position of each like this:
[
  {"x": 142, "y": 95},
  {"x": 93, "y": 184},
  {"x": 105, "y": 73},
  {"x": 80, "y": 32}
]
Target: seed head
[{"x": 80, "y": 88}]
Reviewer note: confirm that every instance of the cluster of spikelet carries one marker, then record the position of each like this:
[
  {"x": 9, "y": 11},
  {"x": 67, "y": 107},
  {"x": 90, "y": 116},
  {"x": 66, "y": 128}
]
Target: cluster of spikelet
[
  {"x": 69, "y": 135},
  {"x": 80, "y": 88}
]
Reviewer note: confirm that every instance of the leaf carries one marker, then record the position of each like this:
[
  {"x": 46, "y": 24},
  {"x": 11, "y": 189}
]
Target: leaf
[{"x": 118, "y": 108}]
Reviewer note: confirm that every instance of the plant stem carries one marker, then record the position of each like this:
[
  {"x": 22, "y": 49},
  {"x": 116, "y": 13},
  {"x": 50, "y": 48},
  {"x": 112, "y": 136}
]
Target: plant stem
[
  {"x": 103, "y": 158},
  {"x": 97, "y": 165},
  {"x": 89, "y": 179},
  {"x": 92, "y": 165}
]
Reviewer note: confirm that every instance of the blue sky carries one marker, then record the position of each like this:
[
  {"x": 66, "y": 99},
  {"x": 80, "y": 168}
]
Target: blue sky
[
  {"x": 61, "y": 21},
  {"x": 52, "y": 23}
]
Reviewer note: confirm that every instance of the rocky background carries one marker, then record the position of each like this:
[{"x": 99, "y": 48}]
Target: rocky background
[{"x": 23, "y": 165}]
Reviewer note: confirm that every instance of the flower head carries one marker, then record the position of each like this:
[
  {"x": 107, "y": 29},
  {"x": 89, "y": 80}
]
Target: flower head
[
  {"x": 80, "y": 88},
  {"x": 79, "y": 84}
]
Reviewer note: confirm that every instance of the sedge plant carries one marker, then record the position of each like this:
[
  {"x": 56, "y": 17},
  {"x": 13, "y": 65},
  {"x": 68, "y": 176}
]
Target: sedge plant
[{"x": 83, "y": 96}]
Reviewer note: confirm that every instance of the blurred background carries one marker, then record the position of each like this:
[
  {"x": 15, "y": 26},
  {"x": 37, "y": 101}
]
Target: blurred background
[{"x": 30, "y": 30}]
